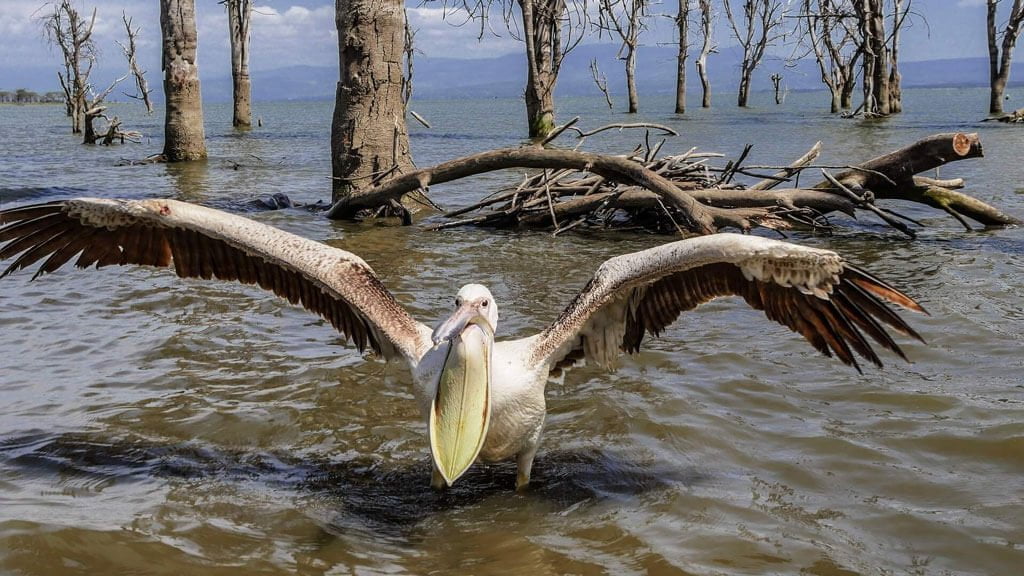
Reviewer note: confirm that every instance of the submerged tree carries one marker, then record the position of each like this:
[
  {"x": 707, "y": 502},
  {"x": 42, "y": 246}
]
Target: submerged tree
[
  {"x": 1000, "y": 53},
  {"x": 760, "y": 28},
  {"x": 683, "y": 53},
  {"x": 707, "y": 46},
  {"x": 550, "y": 29},
  {"x": 68, "y": 30},
  {"x": 625, "y": 19},
  {"x": 369, "y": 137},
  {"x": 833, "y": 41},
  {"x": 141, "y": 85},
  {"x": 880, "y": 78},
  {"x": 239, "y": 16},
  {"x": 184, "y": 134}
]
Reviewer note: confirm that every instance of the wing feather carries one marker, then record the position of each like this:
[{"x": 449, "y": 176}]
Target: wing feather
[
  {"x": 838, "y": 308},
  {"x": 205, "y": 243}
]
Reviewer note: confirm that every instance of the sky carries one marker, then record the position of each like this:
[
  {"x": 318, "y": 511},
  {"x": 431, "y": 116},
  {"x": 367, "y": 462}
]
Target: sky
[{"x": 302, "y": 32}]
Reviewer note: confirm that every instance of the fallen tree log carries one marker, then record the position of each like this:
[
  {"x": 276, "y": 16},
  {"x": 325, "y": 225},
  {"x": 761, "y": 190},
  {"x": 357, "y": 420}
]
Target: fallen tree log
[
  {"x": 886, "y": 174},
  {"x": 893, "y": 176},
  {"x": 698, "y": 218},
  {"x": 685, "y": 193}
]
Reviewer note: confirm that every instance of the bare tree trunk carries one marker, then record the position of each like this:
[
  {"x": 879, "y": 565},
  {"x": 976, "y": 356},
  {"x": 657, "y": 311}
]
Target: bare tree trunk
[
  {"x": 634, "y": 101},
  {"x": 999, "y": 68},
  {"x": 875, "y": 75},
  {"x": 543, "y": 56},
  {"x": 625, "y": 19},
  {"x": 706, "y": 47},
  {"x": 133, "y": 64},
  {"x": 895, "y": 79},
  {"x": 819, "y": 23},
  {"x": 239, "y": 15},
  {"x": 682, "y": 25},
  {"x": 848, "y": 86},
  {"x": 66, "y": 28},
  {"x": 369, "y": 138},
  {"x": 755, "y": 34},
  {"x": 184, "y": 135}
]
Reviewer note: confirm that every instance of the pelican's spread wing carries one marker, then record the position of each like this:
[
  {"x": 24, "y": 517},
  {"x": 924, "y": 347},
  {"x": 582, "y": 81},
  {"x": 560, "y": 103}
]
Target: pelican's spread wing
[
  {"x": 205, "y": 243},
  {"x": 834, "y": 305}
]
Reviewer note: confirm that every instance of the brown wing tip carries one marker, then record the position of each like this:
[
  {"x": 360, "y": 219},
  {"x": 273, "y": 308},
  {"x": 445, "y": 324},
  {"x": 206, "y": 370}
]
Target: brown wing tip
[{"x": 884, "y": 290}]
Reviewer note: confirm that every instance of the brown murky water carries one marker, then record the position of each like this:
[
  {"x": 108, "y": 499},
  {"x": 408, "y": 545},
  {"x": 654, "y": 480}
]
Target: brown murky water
[{"x": 152, "y": 425}]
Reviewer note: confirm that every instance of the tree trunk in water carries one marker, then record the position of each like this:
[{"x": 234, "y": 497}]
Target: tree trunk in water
[
  {"x": 239, "y": 15},
  {"x": 847, "y": 87},
  {"x": 895, "y": 79},
  {"x": 744, "y": 91},
  {"x": 836, "y": 100},
  {"x": 184, "y": 136},
  {"x": 634, "y": 101},
  {"x": 682, "y": 23},
  {"x": 702, "y": 60},
  {"x": 369, "y": 138},
  {"x": 875, "y": 67},
  {"x": 540, "y": 22},
  {"x": 999, "y": 68}
]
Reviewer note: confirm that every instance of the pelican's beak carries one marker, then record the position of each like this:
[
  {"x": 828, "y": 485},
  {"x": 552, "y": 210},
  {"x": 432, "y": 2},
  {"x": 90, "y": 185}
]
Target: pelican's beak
[{"x": 461, "y": 410}]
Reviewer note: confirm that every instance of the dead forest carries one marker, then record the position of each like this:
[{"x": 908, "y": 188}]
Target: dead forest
[{"x": 855, "y": 42}]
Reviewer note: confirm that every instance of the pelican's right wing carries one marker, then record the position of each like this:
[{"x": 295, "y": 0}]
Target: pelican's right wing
[
  {"x": 836, "y": 306},
  {"x": 205, "y": 243}
]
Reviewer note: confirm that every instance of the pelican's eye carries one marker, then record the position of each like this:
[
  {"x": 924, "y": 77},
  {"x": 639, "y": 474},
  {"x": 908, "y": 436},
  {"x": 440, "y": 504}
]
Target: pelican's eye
[
  {"x": 484, "y": 303},
  {"x": 458, "y": 302}
]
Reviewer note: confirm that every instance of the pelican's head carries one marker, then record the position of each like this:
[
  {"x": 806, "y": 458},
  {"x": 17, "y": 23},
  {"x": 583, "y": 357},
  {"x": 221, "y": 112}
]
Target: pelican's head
[
  {"x": 461, "y": 409},
  {"x": 473, "y": 303}
]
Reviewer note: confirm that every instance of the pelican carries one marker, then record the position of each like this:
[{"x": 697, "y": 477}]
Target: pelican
[{"x": 483, "y": 400}]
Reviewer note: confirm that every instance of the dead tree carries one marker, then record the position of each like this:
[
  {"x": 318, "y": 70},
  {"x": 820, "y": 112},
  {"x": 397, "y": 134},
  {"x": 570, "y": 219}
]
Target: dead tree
[
  {"x": 184, "y": 134},
  {"x": 777, "y": 84},
  {"x": 66, "y": 28},
  {"x": 880, "y": 78},
  {"x": 760, "y": 28},
  {"x": 707, "y": 46},
  {"x": 141, "y": 85},
  {"x": 683, "y": 53},
  {"x": 239, "y": 16},
  {"x": 899, "y": 14},
  {"x": 601, "y": 81},
  {"x": 369, "y": 137},
  {"x": 833, "y": 40},
  {"x": 549, "y": 30},
  {"x": 95, "y": 109},
  {"x": 625, "y": 19},
  {"x": 1000, "y": 54}
]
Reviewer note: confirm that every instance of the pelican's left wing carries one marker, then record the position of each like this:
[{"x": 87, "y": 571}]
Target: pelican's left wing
[
  {"x": 833, "y": 304},
  {"x": 202, "y": 242}
]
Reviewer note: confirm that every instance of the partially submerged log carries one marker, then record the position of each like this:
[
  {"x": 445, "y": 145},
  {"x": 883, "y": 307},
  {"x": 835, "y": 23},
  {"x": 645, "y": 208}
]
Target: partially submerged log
[
  {"x": 1015, "y": 117},
  {"x": 893, "y": 176},
  {"x": 686, "y": 194}
]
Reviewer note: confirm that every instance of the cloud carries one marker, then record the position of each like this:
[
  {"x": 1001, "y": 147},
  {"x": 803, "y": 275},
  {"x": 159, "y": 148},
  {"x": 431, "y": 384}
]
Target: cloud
[{"x": 442, "y": 33}]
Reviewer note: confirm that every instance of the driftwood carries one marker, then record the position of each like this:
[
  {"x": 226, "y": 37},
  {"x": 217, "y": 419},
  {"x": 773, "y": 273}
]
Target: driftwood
[
  {"x": 1015, "y": 117},
  {"x": 686, "y": 193}
]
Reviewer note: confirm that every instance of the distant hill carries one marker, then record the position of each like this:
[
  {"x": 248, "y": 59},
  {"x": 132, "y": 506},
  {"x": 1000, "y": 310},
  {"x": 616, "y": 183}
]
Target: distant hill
[{"x": 504, "y": 76}]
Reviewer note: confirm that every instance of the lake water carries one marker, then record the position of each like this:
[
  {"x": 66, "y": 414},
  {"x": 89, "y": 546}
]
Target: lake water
[{"x": 157, "y": 426}]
